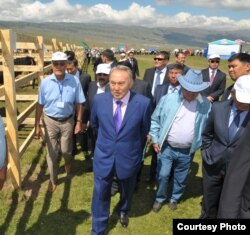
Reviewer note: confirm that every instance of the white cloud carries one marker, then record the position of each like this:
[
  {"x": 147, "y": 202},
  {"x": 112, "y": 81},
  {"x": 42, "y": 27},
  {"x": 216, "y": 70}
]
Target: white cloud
[
  {"x": 228, "y": 4},
  {"x": 63, "y": 11}
]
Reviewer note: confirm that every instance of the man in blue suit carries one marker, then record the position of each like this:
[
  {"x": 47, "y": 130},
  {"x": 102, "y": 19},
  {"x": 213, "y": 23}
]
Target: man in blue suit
[{"x": 121, "y": 119}]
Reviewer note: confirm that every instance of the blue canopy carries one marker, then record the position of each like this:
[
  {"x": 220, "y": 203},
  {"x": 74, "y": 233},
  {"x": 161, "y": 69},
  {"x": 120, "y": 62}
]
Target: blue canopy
[{"x": 224, "y": 42}]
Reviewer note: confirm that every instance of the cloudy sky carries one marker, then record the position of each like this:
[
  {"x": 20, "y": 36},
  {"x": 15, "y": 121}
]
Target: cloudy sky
[{"x": 212, "y": 14}]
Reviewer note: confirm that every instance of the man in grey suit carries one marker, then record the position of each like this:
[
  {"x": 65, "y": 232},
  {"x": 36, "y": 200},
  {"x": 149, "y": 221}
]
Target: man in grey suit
[
  {"x": 224, "y": 129},
  {"x": 235, "y": 195},
  {"x": 216, "y": 78}
]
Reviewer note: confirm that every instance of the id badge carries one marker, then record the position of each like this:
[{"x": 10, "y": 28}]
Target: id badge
[{"x": 60, "y": 105}]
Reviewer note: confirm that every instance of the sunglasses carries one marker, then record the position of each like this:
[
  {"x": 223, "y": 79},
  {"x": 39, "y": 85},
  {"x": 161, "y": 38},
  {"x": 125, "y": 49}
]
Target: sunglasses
[
  {"x": 57, "y": 63},
  {"x": 160, "y": 59},
  {"x": 214, "y": 61}
]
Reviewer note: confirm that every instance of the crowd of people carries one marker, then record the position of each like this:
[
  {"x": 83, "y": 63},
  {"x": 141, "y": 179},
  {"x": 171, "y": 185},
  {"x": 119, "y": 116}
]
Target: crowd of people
[{"x": 174, "y": 110}]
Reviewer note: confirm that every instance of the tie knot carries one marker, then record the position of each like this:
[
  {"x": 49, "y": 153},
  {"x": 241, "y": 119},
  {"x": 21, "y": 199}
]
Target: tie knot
[{"x": 118, "y": 102}]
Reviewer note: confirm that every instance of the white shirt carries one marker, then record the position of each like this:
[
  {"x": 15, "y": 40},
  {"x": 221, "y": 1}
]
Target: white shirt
[
  {"x": 181, "y": 132},
  {"x": 172, "y": 89},
  {"x": 162, "y": 76}
]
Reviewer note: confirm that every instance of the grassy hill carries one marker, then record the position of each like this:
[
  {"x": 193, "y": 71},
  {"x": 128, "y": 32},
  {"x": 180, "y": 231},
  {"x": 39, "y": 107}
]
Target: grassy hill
[{"x": 107, "y": 35}]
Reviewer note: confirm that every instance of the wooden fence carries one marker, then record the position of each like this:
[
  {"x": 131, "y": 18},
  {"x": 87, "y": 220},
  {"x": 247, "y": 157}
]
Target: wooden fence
[{"x": 41, "y": 53}]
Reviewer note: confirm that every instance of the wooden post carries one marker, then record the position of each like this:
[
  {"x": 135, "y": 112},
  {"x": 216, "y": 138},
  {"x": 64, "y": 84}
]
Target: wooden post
[
  {"x": 10, "y": 103},
  {"x": 54, "y": 45},
  {"x": 40, "y": 60}
]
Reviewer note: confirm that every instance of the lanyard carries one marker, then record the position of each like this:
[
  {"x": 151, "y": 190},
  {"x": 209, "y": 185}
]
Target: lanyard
[{"x": 60, "y": 86}]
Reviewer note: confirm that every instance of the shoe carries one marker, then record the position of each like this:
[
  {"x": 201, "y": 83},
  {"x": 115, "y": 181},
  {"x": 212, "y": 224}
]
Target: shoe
[
  {"x": 124, "y": 220},
  {"x": 157, "y": 206},
  {"x": 51, "y": 187},
  {"x": 172, "y": 206},
  {"x": 87, "y": 155},
  {"x": 67, "y": 168}
]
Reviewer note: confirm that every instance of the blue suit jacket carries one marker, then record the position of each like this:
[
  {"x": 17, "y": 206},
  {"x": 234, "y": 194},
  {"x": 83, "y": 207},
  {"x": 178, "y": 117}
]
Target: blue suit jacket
[{"x": 122, "y": 150}]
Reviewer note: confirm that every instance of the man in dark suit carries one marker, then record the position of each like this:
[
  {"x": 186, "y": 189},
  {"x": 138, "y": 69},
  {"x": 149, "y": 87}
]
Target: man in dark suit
[
  {"x": 180, "y": 59},
  {"x": 172, "y": 85},
  {"x": 238, "y": 65},
  {"x": 235, "y": 195},
  {"x": 158, "y": 74},
  {"x": 85, "y": 79},
  {"x": 134, "y": 64},
  {"x": 216, "y": 78},
  {"x": 224, "y": 129},
  {"x": 96, "y": 87},
  {"x": 121, "y": 119}
]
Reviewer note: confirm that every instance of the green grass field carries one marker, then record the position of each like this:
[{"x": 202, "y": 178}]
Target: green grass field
[{"x": 33, "y": 211}]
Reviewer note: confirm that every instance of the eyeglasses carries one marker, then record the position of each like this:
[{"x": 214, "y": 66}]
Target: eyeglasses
[
  {"x": 57, "y": 63},
  {"x": 214, "y": 61},
  {"x": 160, "y": 59}
]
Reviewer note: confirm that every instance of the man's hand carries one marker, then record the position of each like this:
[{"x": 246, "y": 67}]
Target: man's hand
[
  {"x": 157, "y": 148},
  {"x": 78, "y": 128},
  {"x": 211, "y": 99}
]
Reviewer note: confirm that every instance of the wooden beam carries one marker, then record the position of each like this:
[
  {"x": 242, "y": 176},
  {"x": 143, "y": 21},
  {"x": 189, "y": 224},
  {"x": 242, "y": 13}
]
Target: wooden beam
[
  {"x": 27, "y": 142},
  {"x": 10, "y": 103},
  {"x": 21, "y": 117},
  {"x": 26, "y": 79}
]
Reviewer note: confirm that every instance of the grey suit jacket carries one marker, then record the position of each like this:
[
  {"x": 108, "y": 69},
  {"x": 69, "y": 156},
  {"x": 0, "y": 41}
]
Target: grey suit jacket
[
  {"x": 216, "y": 147},
  {"x": 218, "y": 86},
  {"x": 235, "y": 195}
]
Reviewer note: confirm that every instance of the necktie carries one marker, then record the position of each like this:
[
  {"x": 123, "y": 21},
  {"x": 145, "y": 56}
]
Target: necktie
[
  {"x": 212, "y": 77},
  {"x": 157, "y": 80},
  {"x": 234, "y": 126},
  {"x": 118, "y": 116}
]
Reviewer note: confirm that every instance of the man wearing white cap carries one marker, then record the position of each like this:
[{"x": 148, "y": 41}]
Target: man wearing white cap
[
  {"x": 59, "y": 94},
  {"x": 176, "y": 127},
  {"x": 224, "y": 129},
  {"x": 215, "y": 77},
  {"x": 96, "y": 87}
]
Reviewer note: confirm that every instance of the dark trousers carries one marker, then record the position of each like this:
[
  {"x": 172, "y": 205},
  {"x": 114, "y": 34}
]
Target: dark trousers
[
  {"x": 102, "y": 196},
  {"x": 212, "y": 183}
]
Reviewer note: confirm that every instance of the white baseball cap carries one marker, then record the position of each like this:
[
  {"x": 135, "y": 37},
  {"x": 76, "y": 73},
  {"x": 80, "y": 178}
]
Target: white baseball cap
[
  {"x": 242, "y": 89},
  {"x": 59, "y": 56},
  {"x": 103, "y": 68},
  {"x": 214, "y": 56}
]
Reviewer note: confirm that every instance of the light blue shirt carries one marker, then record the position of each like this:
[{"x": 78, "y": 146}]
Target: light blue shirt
[
  {"x": 54, "y": 92},
  {"x": 2, "y": 143}
]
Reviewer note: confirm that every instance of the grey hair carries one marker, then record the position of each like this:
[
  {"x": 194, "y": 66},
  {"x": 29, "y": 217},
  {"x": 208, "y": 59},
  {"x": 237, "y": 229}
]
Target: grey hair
[{"x": 123, "y": 68}]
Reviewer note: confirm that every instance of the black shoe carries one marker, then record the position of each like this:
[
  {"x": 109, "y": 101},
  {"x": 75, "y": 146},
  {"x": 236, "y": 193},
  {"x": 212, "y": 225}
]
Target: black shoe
[
  {"x": 157, "y": 206},
  {"x": 124, "y": 220},
  {"x": 172, "y": 206}
]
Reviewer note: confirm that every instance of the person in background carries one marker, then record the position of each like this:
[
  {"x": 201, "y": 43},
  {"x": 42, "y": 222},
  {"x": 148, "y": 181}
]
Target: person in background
[
  {"x": 60, "y": 96},
  {"x": 85, "y": 79},
  {"x": 122, "y": 119},
  {"x": 180, "y": 59},
  {"x": 238, "y": 65},
  {"x": 134, "y": 64},
  {"x": 176, "y": 127},
  {"x": 223, "y": 132},
  {"x": 123, "y": 57},
  {"x": 3, "y": 167},
  {"x": 216, "y": 78}
]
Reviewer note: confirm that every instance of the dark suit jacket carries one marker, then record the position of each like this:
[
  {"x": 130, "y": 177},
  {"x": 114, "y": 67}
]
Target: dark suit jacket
[
  {"x": 85, "y": 79},
  {"x": 216, "y": 147},
  {"x": 134, "y": 68},
  {"x": 218, "y": 86},
  {"x": 149, "y": 76},
  {"x": 122, "y": 150},
  {"x": 227, "y": 92},
  {"x": 235, "y": 196},
  {"x": 143, "y": 88},
  {"x": 160, "y": 91}
]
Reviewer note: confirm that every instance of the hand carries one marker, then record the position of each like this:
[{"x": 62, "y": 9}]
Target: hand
[
  {"x": 78, "y": 128},
  {"x": 38, "y": 131},
  {"x": 148, "y": 139},
  {"x": 157, "y": 148},
  {"x": 211, "y": 99}
]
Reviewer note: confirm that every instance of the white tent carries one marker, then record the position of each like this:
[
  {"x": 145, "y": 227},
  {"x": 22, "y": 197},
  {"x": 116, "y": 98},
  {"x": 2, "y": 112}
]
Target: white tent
[{"x": 224, "y": 47}]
